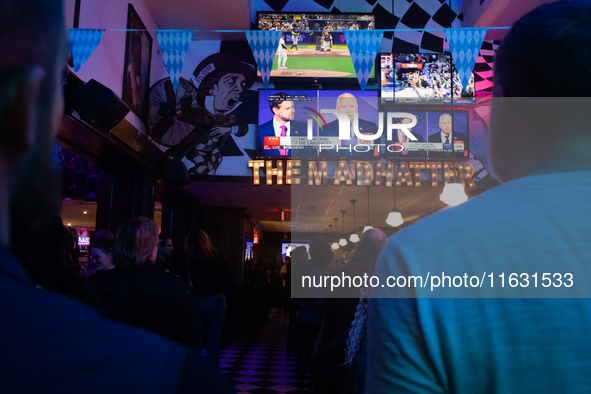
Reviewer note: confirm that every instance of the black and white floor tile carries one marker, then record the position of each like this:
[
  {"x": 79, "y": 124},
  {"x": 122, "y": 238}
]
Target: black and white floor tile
[{"x": 257, "y": 364}]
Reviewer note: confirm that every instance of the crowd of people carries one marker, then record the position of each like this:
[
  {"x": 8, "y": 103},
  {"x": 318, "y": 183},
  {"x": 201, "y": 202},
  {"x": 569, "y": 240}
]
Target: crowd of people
[
  {"x": 54, "y": 339},
  {"x": 323, "y": 326}
]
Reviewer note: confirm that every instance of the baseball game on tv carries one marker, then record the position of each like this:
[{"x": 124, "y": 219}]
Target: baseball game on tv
[{"x": 313, "y": 46}]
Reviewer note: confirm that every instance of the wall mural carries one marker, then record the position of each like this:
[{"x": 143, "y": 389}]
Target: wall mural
[
  {"x": 205, "y": 123},
  {"x": 210, "y": 123},
  {"x": 417, "y": 14}
]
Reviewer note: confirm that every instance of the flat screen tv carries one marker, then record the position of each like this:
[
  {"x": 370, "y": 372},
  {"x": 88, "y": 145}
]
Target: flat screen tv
[
  {"x": 287, "y": 248},
  {"x": 291, "y": 110},
  {"x": 421, "y": 78},
  {"x": 364, "y": 105},
  {"x": 310, "y": 131},
  {"x": 440, "y": 134},
  {"x": 321, "y": 54}
]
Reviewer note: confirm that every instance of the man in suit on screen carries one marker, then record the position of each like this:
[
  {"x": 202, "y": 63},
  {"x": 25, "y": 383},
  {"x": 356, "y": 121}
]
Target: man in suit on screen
[
  {"x": 281, "y": 125},
  {"x": 448, "y": 136},
  {"x": 347, "y": 103}
]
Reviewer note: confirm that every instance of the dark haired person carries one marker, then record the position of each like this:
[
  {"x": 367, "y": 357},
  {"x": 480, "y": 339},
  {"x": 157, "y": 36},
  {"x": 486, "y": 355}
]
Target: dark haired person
[
  {"x": 135, "y": 292},
  {"x": 281, "y": 125},
  {"x": 327, "y": 372},
  {"x": 49, "y": 342},
  {"x": 210, "y": 277},
  {"x": 47, "y": 250},
  {"x": 101, "y": 254},
  {"x": 524, "y": 338},
  {"x": 165, "y": 249},
  {"x": 309, "y": 321}
]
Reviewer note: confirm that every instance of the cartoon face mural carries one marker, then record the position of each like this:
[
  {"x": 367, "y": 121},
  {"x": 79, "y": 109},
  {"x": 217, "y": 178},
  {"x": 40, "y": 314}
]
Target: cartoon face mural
[
  {"x": 226, "y": 92},
  {"x": 198, "y": 123}
]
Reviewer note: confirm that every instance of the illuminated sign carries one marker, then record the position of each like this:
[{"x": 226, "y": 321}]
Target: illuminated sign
[
  {"x": 83, "y": 240},
  {"x": 362, "y": 173}
]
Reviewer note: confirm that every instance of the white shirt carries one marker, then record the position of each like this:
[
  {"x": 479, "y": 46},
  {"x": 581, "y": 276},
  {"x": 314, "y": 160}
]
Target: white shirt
[
  {"x": 277, "y": 128},
  {"x": 281, "y": 44}
]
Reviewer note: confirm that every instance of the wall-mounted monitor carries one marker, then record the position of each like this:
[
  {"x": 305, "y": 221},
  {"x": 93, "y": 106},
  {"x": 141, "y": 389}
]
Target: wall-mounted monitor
[
  {"x": 439, "y": 134},
  {"x": 421, "y": 78},
  {"x": 364, "y": 105},
  {"x": 288, "y": 247},
  {"x": 315, "y": 47},
  {"x": 288, "y": 118},
  {"x": 283, "y": 116}
]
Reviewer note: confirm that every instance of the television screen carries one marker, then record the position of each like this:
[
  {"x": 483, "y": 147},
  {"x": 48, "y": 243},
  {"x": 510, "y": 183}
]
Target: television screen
[
  {"x": 286, "y": 249},
  {"x": 438, "y": 135},
  {"x": 422, "y": 79},
  {"x": 283, "y": 122},
  {"x": 314, "y": 47},
  {"x": 355, "y": 104},
  {"x": 295, "y": 122}
]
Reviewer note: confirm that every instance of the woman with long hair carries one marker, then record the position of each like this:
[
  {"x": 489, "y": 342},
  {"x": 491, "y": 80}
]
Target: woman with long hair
[
  {"x": 309, "y": 321},
  {"x": 135, "y": 292},
  {"x": 209, "y": 276}
]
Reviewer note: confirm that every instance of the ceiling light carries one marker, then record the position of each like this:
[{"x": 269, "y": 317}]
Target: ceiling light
[
  {"x": 453, "y": 194},
  {"x": 354, "y": 237},
  {"x": 394, "y": 219}
]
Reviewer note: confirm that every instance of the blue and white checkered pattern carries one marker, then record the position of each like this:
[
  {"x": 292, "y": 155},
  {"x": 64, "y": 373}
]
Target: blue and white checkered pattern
[
  {"x": 264, "y": 45},
  {"x": 84, "y": 42},
  {"x": 174, "y": 45},
  {"x": 464, "y": 45},
  {"x": 363, "y": 46}
]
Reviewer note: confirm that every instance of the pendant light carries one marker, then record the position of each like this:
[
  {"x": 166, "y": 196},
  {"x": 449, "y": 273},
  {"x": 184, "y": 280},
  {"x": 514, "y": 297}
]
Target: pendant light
[
  {"x": 343, "y": 241},
  {"x": 394, "y": 217},
  {"x": 354, "y": 238},
  {"x": 367, "y": 226},
  {"x": 453, "y": 191}
]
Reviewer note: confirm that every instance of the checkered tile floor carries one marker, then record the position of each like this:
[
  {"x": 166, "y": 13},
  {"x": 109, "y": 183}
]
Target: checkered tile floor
[{"x": 257, "y": 365}]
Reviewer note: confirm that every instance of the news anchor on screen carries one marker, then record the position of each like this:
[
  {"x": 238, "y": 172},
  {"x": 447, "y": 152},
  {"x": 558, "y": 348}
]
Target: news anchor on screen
[
  {"x": 281, "y": 125},
  {"x": 347, "y": 103},
  {"x": 449, "y": 138}
]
